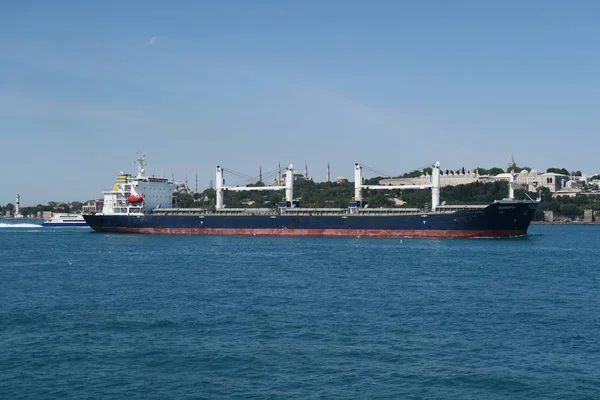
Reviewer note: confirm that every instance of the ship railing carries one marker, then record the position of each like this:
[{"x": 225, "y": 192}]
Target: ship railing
[
  {"x": 313, "y": 211},
  {"x": 204, "y": 211},
  {"x": 462, "y": 207}
]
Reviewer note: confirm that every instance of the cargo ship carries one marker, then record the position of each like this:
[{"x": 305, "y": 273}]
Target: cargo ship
[{"x": 144, "y": 204}]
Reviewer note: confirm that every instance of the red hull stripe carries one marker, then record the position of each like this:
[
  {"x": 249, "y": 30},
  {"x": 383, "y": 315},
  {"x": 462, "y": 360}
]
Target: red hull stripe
[{"x": 319, "y": 232}]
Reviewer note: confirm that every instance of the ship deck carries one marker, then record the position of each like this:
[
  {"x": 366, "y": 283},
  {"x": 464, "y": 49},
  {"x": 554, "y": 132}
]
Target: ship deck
[{"x": 315, "y": 211}]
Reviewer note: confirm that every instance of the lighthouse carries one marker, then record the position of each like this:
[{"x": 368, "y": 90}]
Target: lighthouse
[{"x": 18, "y": 207}]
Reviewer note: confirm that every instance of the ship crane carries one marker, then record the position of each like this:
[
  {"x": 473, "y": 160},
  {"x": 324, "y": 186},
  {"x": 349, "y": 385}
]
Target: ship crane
[
  {"x": 288, "y": 187},
  {"x": 434, "y": 185}
]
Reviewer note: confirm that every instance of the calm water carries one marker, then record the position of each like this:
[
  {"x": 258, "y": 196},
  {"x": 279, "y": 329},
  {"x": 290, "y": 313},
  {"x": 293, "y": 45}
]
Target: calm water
[{"x": 88, "y": 315}]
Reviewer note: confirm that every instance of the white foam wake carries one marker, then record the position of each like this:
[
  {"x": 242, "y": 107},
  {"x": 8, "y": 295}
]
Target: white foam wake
[{"x": 4, "y": 225}]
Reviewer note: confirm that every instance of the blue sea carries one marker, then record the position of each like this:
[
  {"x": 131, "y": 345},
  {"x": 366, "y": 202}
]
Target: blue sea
[{"x": 85, "y": 315}]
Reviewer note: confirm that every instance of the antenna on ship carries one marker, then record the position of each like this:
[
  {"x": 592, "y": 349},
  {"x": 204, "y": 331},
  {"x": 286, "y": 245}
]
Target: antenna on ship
[{"x": 141, "y": 164}]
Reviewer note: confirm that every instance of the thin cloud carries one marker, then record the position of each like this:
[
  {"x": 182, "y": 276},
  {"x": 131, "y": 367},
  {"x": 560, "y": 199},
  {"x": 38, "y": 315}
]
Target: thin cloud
[
  {"x": 153, "y": 40},
  {"x": 29, "y": 105}
]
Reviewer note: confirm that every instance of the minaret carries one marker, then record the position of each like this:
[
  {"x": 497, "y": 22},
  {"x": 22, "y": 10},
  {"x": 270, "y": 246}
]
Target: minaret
[
  {"x": 306, "y": 171},
  {"x": 260, "y": 173},
  {"x": 196, "y": 184},
  {"x": 328, "y": 173},
  {"x": 186, "y": 181}
]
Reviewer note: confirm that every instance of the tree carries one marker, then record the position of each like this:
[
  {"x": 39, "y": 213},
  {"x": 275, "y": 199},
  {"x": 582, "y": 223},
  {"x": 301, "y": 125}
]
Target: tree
[
  {"x": 414, "y": 174},
  {"x": 570, "y": 210},
  {"x": 558, "y": 171},
  {"x": 29, "y": 211},
  {"x": 545, "y": 194},
  {"x": 495, "y": 171},
  {"x": 185, "y": 200},
  {"x": 376, "y": 199},
  {"x": 519, "y": 169},
  {"x": 76, "y": 206},
  {"x": 374, "y": 181},
  {"x": 10, "y": 207},
  {"x": 576, "y": 173},
  {"x": 43, "y": 208}
]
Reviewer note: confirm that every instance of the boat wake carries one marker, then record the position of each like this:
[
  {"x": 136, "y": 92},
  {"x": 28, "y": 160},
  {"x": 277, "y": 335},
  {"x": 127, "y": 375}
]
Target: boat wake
[{"x": 5, "y": 225}]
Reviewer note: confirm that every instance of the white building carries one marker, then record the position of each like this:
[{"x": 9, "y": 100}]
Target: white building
[
  {"x": 448, "y": 178},
  {"x": 530, "y": 180},
  {"x": 533, "y": 180}
]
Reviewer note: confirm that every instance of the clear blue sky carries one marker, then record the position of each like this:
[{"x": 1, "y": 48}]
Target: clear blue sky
[{"x": 391, "y": 84}]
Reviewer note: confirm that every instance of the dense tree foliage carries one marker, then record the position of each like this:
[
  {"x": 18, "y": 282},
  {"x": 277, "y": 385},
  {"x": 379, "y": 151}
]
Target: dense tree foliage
[
  {"x": 492, "y": 171},
  {"x": 327, "y": 195},
  {"x": 558, "y": 171},
  {"x": 519, "y": 169},
  {"x": 75, "y": 206}
]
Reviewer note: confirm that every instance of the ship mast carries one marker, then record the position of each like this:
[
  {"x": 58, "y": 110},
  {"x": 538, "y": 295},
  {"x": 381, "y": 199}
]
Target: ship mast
[
  {"x": 511, "y": 181},
  {"x": 288, "y": 187},
  {"x": 434, "y": 185}
]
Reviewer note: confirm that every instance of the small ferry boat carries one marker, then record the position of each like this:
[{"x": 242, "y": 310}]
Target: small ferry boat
[{"x": 60, "y": 220}]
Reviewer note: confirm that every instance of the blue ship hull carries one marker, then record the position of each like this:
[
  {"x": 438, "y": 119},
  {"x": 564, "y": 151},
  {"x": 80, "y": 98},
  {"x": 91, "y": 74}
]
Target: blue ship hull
[{"x": 502, "y": 219}]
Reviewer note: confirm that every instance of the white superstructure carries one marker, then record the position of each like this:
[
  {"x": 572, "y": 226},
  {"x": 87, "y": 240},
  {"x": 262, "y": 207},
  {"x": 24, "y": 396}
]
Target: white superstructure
[{"x": 139, "y": 194}]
